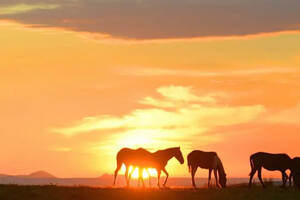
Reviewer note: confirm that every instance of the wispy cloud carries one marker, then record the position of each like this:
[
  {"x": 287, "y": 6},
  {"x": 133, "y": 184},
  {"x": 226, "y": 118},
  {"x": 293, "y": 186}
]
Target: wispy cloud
[
  {"x": 144, "y": 71},
  {"x": 156, "y": 125},
  {"x": 286, "y": 116},
  {"x": 60, "y": 149},
  {"x": 178, "y": 96},
  {"x": 24, "y": 8}
]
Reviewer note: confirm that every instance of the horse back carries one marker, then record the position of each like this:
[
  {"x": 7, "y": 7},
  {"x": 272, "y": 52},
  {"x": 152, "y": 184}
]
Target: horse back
[
  {"x": 206, "y": 160},
  {"x": 271, "y": 161},
  {"x": 135, "y": 157}
]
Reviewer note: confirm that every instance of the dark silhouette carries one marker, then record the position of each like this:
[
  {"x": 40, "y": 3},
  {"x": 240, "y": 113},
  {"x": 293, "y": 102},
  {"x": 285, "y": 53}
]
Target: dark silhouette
[
  {"x": 271, "y": 162},
  {"x": 207, "y": 160},
  {"x": 295, "y": 172},
  {"x": 144, "y": 159}
]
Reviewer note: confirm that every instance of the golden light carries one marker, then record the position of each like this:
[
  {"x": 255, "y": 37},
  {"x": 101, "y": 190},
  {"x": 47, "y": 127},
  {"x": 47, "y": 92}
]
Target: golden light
[
  {"x": 135, "y": 173},
  {"x": 136, "y": 138}
]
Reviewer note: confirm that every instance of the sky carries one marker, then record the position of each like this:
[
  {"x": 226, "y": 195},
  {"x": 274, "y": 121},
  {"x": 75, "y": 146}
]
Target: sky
[{"x": 81, "y": 79}]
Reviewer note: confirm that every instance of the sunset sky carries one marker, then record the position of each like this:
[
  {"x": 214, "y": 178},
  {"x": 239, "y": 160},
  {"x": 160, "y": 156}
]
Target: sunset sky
[{"x": 81, "y": 79}]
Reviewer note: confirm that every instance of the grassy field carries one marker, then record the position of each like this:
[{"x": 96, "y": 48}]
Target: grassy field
[{"x": 15, "y": 192}]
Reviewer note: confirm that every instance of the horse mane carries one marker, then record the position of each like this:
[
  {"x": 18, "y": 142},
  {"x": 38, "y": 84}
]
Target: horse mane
[{"x": 164, "y": 151}]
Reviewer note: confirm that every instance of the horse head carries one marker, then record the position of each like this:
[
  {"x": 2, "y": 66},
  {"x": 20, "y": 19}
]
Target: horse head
[
  {"x": 178, "y": 155},
  {"x": 222, "y": 180}
]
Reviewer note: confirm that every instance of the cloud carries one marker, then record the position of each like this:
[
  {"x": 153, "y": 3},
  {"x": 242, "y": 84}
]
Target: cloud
[
  {"x": 152, "y": 19},
  {"x": 156, "y": 125},
  {"x": 144, "y": 71},
  {"x": 178, "y": 96},
  {"x": 92, "y": 123},
  {"x": 60, "y": 149},
  {"x": 287, "y": 116},
  {"x": 24, "y": 8}
]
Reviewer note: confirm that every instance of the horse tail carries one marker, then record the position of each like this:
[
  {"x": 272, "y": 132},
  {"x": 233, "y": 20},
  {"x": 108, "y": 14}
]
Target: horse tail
[
  {"x": 189, "y": 164},
  {"x": 119, "y": 159},
  {"x": 190, "y": 168}
]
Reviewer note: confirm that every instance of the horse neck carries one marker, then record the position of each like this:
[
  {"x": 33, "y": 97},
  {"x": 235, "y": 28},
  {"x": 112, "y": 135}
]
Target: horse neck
[
  {"x": 220, "y": 167},
  {"x": 164, "y": 155}
]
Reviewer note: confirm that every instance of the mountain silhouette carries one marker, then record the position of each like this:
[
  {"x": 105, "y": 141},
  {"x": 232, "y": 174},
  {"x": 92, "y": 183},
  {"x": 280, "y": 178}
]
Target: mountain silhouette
[
  {"x": 3, "y": 175},
  {"x": 40, "y": 174},
  {"x": 106, "y": 176},
  {"x": 37, "y": 174}
]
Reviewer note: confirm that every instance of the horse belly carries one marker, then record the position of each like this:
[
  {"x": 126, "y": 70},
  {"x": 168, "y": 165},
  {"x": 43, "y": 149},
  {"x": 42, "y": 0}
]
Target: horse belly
[
  {"x": 207, "y": 162},
  {"x": 270, "y": 168},
  {"x": 144, "y": 163},
  {"x": 275, "y": 165},
  {"x": 205, "y": 165}
]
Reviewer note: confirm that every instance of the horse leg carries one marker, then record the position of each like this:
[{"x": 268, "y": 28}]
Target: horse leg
[
  {"x": 126, "y": 176},
  {"x": 259, "y": 177},
  {"x": 167, "y": 174},
  {"x": 216, "y": 177},
  {"x": 284, "y": 178},
  {"x": 193, "y": 172},
  {"x": 139, "y": 179},
  {"x": 141, "y": 176},
  {"x": 252, "y": 173},
  {"x": 290, "y": 179},
  {"x": 116, "y": 172},
  {"x": 209, "y": 177},
  {"x": 149, "y": 177},
  {"x": 130, "y": 174},
  {"x": 158, "y": 177}
]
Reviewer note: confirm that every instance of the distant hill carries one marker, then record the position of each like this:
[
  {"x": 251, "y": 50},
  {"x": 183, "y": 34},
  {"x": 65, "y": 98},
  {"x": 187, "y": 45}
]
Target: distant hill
[
  {"x": 45, "y": 178},
  {"x": 4, "y": 175},
  {"x": 106, "y": 176},
  {"x": 40, "y": 174}
]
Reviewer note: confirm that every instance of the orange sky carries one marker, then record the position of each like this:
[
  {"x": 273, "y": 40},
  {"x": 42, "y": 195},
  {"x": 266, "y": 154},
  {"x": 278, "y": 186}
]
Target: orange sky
[{"x": 70, "y": 100}]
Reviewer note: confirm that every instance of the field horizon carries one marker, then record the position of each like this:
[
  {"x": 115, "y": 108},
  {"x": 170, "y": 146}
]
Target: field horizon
[
  {"x": 239, "y": 191},
  {"x": 106, "y": 180}
]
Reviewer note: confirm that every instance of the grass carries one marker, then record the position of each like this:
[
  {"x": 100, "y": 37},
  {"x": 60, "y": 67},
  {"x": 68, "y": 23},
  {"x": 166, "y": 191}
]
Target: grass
[{"x": 51, "y": 192}]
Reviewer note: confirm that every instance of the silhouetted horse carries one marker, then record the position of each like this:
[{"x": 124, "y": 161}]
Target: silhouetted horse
[
  {"x": 295, "y": 172},
  {"x": 143, "y": 159},
  {"x": 272, "y": 162},
  {"x": 207, "y": 160}
]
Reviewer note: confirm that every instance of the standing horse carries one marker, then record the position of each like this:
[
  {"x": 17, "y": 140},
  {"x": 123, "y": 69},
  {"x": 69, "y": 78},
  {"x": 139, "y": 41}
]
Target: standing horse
[
  {"x": 207, "y": 160},
  {"x": 144, "y": 159},
  {"x": 271, "y": 162}
]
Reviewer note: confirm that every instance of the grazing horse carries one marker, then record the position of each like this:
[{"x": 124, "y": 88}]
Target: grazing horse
[
  {"x": 144, "y": 159},
  {"x": 207, "y": 160},
  {"x": 271, "y": 162}
]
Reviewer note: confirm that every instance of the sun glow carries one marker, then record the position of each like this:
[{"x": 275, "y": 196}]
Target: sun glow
[{"x": 135, "y": 174}]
